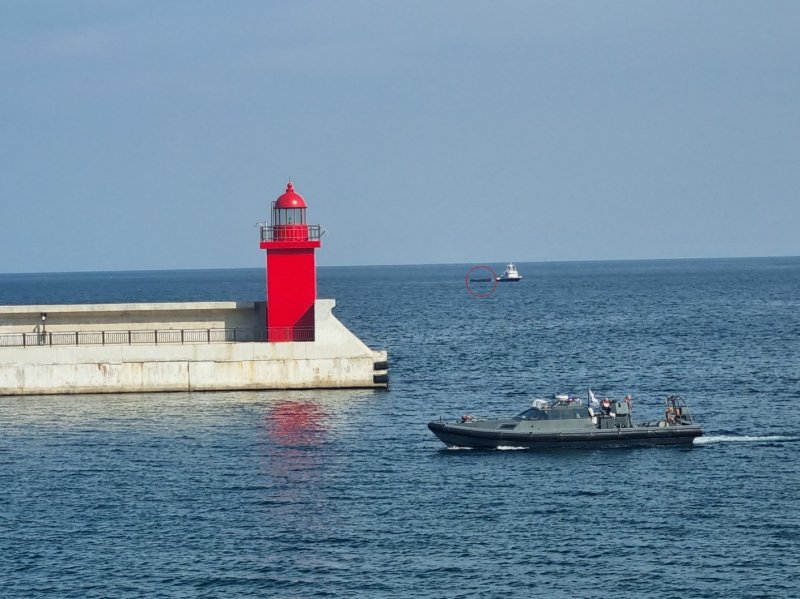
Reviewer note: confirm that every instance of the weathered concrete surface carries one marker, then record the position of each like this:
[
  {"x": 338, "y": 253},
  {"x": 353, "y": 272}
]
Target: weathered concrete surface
[{"x": 337, "y": 359}]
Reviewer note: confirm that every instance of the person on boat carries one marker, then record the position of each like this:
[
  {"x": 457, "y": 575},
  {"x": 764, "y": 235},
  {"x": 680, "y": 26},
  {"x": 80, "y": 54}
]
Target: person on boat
[
  {"x": 629, "y": 400},
  {"x": 605, "y": 405}
]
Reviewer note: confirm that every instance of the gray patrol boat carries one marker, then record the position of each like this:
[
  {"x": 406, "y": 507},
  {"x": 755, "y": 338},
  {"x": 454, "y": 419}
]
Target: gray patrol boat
[{"x": 566, "y": 422}]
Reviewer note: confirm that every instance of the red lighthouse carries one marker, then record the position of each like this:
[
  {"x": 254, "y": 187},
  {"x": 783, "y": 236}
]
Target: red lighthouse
[{"x": 291, "y": 271}]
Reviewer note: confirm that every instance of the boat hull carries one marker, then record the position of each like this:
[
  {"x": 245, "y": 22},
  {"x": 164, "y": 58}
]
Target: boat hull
[{"x": 454, "y": 435}]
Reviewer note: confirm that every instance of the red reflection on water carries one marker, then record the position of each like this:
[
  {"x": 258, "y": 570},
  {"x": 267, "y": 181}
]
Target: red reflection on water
[
  {"x": 293, "y": 458},
  {"x": 296, "y": 423}
]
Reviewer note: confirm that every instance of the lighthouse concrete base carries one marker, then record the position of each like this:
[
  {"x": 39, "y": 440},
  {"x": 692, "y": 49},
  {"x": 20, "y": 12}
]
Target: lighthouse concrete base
[{"x": 336, "y": 359}]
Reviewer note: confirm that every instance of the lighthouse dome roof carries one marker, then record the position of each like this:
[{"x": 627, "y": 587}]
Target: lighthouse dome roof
[{"x": 290, "y": 198}]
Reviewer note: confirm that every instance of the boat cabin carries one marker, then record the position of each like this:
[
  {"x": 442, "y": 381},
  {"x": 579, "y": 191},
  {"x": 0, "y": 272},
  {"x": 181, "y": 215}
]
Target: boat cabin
[{"x": 616, "y": 414}]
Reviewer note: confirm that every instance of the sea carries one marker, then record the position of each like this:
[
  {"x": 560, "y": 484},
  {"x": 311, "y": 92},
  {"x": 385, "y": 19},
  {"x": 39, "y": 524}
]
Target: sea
[{"x": 346, "y": 493}]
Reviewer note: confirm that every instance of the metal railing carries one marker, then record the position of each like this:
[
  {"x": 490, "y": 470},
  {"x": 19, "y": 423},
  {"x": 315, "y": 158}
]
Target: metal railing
[
  {"x": 156, "y": 336},
  {"x": 291, "y": 232},
  {"x": 290, "y": 334}
]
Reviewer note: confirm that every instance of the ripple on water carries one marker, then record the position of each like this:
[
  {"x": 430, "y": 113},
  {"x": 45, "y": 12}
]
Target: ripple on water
[{"x": 347, "y": 494}]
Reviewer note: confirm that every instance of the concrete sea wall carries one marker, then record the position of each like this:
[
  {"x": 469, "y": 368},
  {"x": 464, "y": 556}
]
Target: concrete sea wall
[{"x": 189, "y": 346}]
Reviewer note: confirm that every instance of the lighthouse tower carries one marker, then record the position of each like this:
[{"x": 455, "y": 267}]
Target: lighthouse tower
[{"x": 291, "y": 270}]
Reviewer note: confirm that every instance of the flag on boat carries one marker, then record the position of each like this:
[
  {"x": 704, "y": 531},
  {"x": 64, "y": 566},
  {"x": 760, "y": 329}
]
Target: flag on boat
[{"x": 593, "y": 401}]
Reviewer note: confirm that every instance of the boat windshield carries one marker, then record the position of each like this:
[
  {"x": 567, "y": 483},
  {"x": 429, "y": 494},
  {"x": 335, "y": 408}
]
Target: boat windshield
[{"x": 560, "y": 414}]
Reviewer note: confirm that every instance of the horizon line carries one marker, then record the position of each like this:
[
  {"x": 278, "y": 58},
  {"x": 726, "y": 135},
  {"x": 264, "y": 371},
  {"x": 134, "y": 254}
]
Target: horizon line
[{"x": 375, "y": 265}]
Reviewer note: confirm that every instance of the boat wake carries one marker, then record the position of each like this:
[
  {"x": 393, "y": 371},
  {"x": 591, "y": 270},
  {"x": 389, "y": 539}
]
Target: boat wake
[{"x": 712, "y": 439}]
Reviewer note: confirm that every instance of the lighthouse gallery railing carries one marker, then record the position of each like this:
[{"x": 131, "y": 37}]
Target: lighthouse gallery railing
[
  {"x": 156, "y": 336},
  {"x": 291, "y": 232}
]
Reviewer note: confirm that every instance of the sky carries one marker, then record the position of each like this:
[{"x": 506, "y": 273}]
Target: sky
[{"x": 149, "y": 135}]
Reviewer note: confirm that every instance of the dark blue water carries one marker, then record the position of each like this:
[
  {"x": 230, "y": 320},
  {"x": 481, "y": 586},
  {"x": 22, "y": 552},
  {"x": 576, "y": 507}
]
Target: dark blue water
[{"x": 347, "y": 494}]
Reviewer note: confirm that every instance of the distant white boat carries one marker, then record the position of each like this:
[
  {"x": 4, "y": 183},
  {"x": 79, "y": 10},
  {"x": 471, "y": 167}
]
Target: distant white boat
[{"x": 510, "y": 274}]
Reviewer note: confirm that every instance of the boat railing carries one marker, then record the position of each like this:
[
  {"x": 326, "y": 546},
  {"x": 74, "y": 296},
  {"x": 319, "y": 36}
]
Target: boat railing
[{"x": 156, "y": 336}]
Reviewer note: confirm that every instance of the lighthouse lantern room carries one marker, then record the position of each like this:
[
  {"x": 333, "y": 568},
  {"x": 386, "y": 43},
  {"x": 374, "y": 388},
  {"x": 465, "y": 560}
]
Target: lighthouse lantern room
[{"x": 291, "y": 270}]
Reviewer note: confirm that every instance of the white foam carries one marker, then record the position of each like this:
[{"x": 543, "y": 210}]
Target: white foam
[{"x": 741, "y": 439}]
